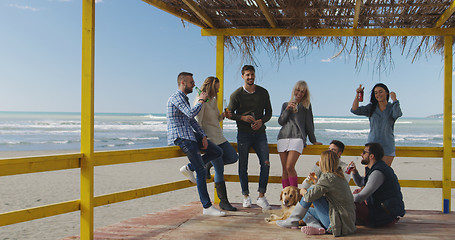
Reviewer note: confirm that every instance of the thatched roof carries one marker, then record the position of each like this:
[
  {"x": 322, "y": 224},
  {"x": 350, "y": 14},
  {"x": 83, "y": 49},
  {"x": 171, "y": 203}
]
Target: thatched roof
[{"x": 320, "y": 15}]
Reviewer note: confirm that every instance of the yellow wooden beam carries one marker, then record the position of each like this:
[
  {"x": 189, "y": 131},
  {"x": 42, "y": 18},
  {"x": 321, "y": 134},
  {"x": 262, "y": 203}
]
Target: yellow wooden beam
[
  {"x": 220, "y": 71},
  {"x": 447, "y": 13},
  {"x": 199, "y": 12},
  {"x": 29, "y": 214},
  {"x": 142, "y": 192},
  {"x": 421, "y": 152},
  {"x": 447, "y": 135},
  {"x": 266, "y": 13},
  {"x": 67, "y": 161},
  {"x": 280, "y": 32},
  {"x": 174, "y": 11},
  {"x": 403, "y": 183},
  {"x": 39, "y": 164},
  {"x": 220, "y": 76},
  {"x": 358, "y": 3},
  {"x": 87, "y": 118},
  {"x": 137, "y": 155}
]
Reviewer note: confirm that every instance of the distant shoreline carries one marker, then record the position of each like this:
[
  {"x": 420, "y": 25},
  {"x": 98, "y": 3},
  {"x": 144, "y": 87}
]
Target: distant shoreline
[{"x": 440, "y": 115}]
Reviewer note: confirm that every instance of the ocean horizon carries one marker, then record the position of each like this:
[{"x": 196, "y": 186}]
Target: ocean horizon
[{"x": 23, "y": 131}]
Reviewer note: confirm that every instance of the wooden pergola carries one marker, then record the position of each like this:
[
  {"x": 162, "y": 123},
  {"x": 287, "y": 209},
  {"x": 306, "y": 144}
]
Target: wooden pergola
[{"x": 252, "y": 20}]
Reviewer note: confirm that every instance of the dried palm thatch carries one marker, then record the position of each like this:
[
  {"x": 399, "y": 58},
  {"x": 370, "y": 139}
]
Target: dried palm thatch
[{"x": 320, "y": 14}]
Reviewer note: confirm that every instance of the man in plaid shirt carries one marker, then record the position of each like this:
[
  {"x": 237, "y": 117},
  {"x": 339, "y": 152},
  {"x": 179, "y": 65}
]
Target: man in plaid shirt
[{"x": 184, "y": 131}]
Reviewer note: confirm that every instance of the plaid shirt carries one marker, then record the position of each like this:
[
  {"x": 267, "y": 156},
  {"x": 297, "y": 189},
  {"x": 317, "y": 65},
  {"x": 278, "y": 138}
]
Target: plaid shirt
[{"x": 180, "y": 118}]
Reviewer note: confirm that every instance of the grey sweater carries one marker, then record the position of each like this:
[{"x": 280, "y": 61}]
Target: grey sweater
[{"x": 296, "y": 125}]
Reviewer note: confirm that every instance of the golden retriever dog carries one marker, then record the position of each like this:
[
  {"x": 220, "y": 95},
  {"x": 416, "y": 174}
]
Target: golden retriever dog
[{"x": 289, "y": 197}]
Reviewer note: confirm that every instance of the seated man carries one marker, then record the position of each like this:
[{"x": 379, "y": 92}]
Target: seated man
[
  {"x": 381, "y": 190},
  {"x": 334, "y": 146}
]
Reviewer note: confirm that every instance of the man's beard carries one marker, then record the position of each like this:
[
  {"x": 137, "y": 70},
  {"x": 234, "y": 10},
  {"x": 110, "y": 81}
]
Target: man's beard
[
  {"x": 188, "y": 90},
  {"x": 365, "y": 161}
]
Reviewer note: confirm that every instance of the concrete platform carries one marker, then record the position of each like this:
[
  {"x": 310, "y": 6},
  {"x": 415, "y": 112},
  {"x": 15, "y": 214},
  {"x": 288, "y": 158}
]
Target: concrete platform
[{"x": 187, "y": 222}]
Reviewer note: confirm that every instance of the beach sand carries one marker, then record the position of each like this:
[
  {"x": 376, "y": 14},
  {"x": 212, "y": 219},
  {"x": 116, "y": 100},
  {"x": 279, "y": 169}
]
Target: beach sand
[{"x": 31, "y": 190}]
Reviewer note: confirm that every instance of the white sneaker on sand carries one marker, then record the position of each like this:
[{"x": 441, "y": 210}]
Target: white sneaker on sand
[
  {"x": 263, "y": 203},
  {"x": 188, "y": 173},
  {"x": 212, "y": 211},
  {"x": 247, "y": 202}
]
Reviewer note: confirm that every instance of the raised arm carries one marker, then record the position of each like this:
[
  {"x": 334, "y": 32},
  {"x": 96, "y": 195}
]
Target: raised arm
[
  {"x": 355, "y": 104},
  {"x": 284, "y": 115},
  {"x": 396, "y": 109}
]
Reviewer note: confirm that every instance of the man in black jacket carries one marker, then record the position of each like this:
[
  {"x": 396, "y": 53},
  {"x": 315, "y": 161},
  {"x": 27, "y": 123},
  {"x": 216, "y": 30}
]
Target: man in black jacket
[{"x": 384, "y": 201}]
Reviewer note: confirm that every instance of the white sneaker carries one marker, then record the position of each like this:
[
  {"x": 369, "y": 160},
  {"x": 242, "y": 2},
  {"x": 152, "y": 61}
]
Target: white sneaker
[
  {"x": 263, "y": 203},
  {"x": 188, "y": 173},
  {"x": 247, "y": 202},
  {"x": 212, "y": 211}
]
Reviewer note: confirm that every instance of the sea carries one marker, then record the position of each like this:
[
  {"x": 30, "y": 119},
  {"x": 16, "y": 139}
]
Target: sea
[{"x": 23, "y": 131}]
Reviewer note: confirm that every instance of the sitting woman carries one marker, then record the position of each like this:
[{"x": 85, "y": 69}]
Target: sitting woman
[{"x": 334, "y": 209}]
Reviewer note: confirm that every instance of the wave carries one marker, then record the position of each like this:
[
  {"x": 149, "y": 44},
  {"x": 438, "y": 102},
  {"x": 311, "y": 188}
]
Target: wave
[
  {"x": 154, "y": 117},
  {"x": 342, "y": 120},
  {"x": 357, "y": 131}
]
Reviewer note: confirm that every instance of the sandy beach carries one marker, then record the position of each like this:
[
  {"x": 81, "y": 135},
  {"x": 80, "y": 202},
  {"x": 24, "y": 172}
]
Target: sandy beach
[{"x": 31, "y": 190}]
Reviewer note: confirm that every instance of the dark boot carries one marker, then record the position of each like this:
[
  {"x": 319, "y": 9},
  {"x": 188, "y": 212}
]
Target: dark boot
[
  {"x": 207, "y": 168},
  {"x": 222, "y": 195}
]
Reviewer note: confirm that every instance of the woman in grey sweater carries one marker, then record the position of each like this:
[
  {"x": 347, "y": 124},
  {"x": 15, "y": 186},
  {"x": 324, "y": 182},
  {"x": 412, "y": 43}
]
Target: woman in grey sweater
[{"x": 296, "y": 120}]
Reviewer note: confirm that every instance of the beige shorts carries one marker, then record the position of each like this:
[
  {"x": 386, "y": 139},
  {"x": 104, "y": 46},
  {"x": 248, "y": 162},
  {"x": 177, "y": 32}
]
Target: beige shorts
[{"x": 290, "y": 144}]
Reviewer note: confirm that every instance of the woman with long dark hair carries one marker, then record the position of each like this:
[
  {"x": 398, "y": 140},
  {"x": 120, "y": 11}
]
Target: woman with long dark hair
[{"x": 382, "y": 115}]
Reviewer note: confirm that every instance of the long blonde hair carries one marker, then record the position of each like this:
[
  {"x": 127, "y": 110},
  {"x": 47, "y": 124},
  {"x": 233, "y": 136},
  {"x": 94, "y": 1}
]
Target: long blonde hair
[
  {"x": 330, "y": 163},
  {"x": 209, "y": 86},
  {"x": 302, "y": 85}
]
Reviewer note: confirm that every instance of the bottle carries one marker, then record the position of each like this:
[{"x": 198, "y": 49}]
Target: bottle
[
  {"x": 252, "y": 114},
  {"x": 349, "y": 168},
  {"x": 361, "y": 96},
  {"x": 312, "y": 178},
  {"x": 199, "y": 91},
  {"x": 296, "y": 104}
]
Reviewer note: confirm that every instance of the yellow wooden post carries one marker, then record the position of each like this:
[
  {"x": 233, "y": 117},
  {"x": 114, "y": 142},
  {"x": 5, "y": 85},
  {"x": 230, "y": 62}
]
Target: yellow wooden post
[
  {"x": 220, "y": 76},
  {"x": 220, "y": 70},
  {"x": 87, "y": 118},
  {"x": 447, "y": 159}
]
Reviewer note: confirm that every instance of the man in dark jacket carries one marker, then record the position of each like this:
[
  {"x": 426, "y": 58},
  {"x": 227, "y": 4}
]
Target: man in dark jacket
[{"x": 384, "y": 202}]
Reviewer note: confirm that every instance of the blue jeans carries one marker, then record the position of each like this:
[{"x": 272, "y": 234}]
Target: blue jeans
[
  {"x": 320, "y": 211},
  {"x": 197, "y": 163},
  {"x": 229, "y": 157},
  {"x": 259, "y": 143}
]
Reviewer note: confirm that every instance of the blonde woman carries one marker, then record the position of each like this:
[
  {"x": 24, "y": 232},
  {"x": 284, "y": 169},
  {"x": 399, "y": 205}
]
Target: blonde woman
[
  {"x": 209, "y": 119},
  {"x": 296, "y": 120},
  {"x": 334, "y": 209}
]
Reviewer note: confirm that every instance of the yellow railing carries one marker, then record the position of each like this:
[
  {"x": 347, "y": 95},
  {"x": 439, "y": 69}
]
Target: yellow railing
[{"x": 69, "y": 161}]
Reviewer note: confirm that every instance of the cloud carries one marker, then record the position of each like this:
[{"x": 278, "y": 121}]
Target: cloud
[
  {"x": 453, "y": 73},
  {"x": 98, "y": 1},
  {"x": 326, "y": 60},
  {"x": 294, "y": 48},
  {"x": 24, "y": 7}
]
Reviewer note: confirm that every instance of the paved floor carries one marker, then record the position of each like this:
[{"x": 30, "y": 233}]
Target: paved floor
[{"x": 187, "y": 222}]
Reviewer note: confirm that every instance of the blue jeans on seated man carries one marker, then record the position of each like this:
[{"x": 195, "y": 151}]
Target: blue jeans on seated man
[
  {"x": 197, "y": 163},
  {"x": 259, "y": 143},
  {"x": 230, "y": 156},
  {"x": 320, "y": 211}
]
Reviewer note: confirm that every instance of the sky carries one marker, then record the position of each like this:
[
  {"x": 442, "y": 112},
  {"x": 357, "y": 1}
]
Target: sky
[{"x": 140, "y": 50}]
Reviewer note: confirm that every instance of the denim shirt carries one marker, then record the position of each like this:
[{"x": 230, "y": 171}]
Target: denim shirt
[{"x": 382, "y": 124}]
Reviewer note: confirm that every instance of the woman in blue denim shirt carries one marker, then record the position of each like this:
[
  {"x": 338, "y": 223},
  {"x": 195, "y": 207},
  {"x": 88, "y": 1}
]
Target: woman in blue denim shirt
[{"x": 382, "y": 115}]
